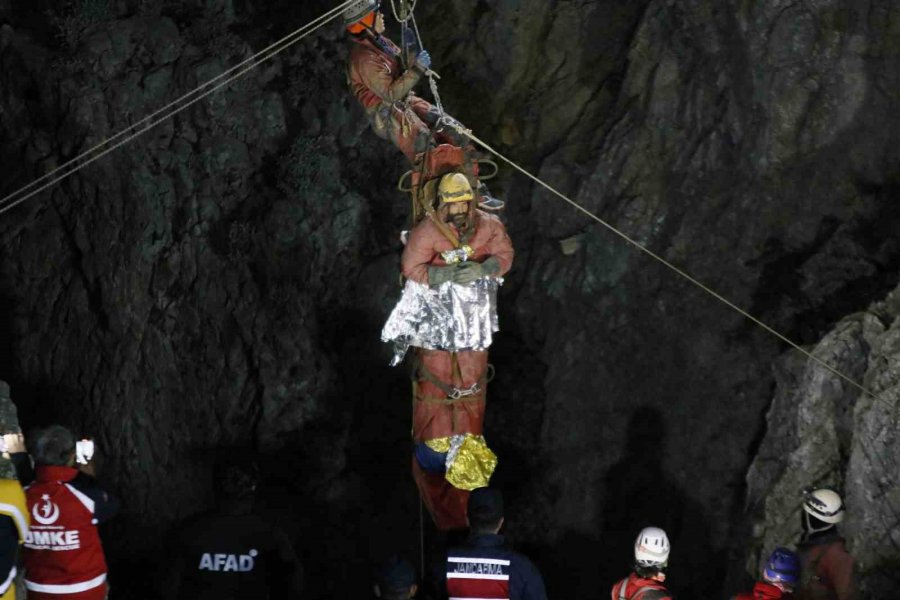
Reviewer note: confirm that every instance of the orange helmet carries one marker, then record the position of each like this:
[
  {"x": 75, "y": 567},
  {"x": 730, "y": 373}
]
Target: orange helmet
[{"x": 361, "y": 15}]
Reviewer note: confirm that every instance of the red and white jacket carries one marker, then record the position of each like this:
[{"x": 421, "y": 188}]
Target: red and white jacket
[
  {"x": 63, "y": 554},
  {"x": 637, "y": 588}
]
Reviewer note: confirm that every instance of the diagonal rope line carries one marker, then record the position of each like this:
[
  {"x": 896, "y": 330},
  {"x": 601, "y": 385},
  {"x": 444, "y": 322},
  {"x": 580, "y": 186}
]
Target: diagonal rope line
[
  {"x": 145, "y": 124},
  {"x": 679, "y": 271}
]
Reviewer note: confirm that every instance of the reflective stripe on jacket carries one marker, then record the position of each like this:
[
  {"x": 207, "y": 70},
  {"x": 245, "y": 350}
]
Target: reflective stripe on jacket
[
  {"x": 13, "y": 529},
  {"x": 63, "y": 553},
  {"x": 485, "y": 568}
]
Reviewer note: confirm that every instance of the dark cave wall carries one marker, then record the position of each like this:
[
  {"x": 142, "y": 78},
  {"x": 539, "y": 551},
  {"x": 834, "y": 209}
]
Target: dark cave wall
[{"x": 221, "y": 281}]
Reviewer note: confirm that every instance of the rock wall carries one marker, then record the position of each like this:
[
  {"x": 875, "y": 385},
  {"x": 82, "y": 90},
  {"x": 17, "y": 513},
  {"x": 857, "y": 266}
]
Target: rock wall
[
  {"x": 221, "y": 281},
  {"x": 823, "y": 431}
]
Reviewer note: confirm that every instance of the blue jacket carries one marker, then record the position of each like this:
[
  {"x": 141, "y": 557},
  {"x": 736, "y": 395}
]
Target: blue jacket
[{"x": 486, "y": 568}]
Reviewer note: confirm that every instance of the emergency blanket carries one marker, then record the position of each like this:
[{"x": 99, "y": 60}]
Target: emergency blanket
[
  {"x": 469, "y": 463},
  {"x": 452, "y": 317}
]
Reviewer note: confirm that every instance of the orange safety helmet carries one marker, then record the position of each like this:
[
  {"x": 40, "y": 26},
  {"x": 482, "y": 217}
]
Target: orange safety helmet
[{"x": 361, "y": 15}]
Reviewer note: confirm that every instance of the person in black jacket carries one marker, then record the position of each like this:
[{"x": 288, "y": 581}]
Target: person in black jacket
[
  {"x": 485, "y": 567},
  {"x": 233, "y": 553},
  {"x": 395, "y": 580}
]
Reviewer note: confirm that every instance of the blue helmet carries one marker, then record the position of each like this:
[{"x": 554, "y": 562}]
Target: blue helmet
[{"x": 783, "y": 566}]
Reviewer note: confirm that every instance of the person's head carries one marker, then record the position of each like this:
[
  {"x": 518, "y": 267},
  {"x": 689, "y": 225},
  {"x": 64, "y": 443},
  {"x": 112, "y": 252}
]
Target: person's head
[
  {"x": 395, "y": 580},
  {"x": 822, "y": 510},
  {"x": 236, "y": 481},
  {"x": 455, "y": 194},
  {"x": 364, "y": 16},
  {"x": 651, "y": 553},
  {"x": 52, "y": 446},
  {"x": 782, "y": 569},
  {"x": 484, "y": 511}
]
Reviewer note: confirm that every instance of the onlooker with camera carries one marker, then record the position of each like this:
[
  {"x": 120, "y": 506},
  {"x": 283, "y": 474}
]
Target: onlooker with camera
[
  {"x": 233, "y": 553},
  {"x": 63, "y": 556}
]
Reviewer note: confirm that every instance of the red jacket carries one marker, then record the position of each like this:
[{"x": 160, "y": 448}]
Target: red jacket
[
  {"x": 426, "y": 243},
  {"x": 827, "y": 570},
  {"x": 383, "y": 88},
  {"x": 764, "y": 591},
  {"x": 63, "y": 555},
  {"x": 637, "y": 588},
  {"x": 375, "y": 74}
]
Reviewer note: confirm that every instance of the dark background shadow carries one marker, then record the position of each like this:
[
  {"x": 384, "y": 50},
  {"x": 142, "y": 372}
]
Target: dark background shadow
[{"x": 637, "y": 494}]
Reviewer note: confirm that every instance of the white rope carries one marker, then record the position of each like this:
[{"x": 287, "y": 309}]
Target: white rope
[
  {"x": 681, "y": 272},
  {"x": 11, "y": 201},
  {"x": 409, "y": 13},
  {"x": 432, "y": 76}
]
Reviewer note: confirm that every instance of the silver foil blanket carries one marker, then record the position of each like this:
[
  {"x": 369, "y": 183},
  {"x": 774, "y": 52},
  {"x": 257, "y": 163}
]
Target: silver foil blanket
[{"x": 452, "y": 317}]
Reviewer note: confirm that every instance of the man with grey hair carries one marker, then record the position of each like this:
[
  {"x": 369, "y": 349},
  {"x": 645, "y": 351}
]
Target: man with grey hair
[{"x": 63, "y": 553}]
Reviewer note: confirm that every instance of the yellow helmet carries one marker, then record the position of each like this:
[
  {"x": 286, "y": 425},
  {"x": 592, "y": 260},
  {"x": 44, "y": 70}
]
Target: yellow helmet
[{"x": 455, "y": 187}]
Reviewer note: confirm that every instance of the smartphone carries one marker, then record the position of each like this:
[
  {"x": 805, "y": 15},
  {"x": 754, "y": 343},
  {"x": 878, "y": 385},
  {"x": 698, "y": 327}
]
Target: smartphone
[{"x": 84, "y": 451}]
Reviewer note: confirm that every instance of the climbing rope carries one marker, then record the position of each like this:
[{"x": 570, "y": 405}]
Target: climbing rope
[
  {"x": 410, "y": 9},
  {"x": 150, "y": 121},
  {"x": 432, "y": 76},
  {"x": 679, "y": 271}
]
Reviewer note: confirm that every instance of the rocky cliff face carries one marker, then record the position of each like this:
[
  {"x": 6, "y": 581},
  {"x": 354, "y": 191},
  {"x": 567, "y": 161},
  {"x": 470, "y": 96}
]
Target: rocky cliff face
[
  {"x": 823, "y": 431},
  {"x": 220, "y": 282}
]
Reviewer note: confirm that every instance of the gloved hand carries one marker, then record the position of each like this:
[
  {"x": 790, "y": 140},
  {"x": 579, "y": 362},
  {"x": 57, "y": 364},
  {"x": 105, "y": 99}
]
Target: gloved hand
[
  {"x": 423, "y": 60},
  {"x": 439, "y": 275},
  {"x": 469, "y": 272},
  {"x": 410, "y": 40}
]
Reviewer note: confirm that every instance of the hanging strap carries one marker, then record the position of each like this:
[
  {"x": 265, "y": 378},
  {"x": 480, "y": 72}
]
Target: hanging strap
[{"x": 452, "y": 393}]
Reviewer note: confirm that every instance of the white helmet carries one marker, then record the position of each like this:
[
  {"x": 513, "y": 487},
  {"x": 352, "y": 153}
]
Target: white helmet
[
  {"x": 825, "y": 505},
  {"x": 358, "y": 10},
  {"x": 651, "y": 548}
]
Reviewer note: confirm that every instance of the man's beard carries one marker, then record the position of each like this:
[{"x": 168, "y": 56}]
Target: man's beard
[{"x": 461, "y": 221}]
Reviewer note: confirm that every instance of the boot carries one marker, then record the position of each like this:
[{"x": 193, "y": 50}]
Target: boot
[{"x": 488, "y": 202}]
